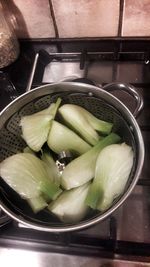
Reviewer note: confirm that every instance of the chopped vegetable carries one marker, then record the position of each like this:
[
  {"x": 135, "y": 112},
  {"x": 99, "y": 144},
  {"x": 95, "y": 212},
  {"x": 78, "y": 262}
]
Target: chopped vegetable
[
  {"x": 62, "y": 138},
  {"x": 98, "y": 125},
  {"x": 35, "y": 128},
  {"x": 37, "y": 203},
  {"x": 84, "y": 123},
  {"x": 82, "y": 169},
  {"x": 27, "y": 149},
  {"x": 26, "y": 174},
  {"x": 38, "y": 181},
  {"x": 52, "y": 109},
  {"x": 70, "y": 206},
  {"x": 51, "y": 168},
  {"x": 113, "y": 167},
  {"x": 78, "y": 122}
]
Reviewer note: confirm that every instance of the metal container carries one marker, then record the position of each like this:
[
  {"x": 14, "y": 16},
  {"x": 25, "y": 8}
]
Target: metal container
[
  {"x": 99, "y": 102},
  {"x": 9, "y": 46}
]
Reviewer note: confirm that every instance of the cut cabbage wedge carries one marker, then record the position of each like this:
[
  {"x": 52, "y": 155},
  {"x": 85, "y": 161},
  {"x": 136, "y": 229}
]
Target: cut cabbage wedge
[
  {"x": 26, "y": 174},
  {"x": 62, "y": 138},
  {"x": 113, "y": 167},
  {"x": 84, "y": 123},
  {"x": 70, "y": 206},
  {"x": 35, "y": 127},
  {"x": 82, "y": 169}
]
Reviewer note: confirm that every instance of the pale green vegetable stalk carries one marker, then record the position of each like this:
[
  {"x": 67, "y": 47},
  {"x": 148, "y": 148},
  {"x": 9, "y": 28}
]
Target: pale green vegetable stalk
[
  {"x": 51, "y": 168},
  {"x": 37, "y": 204},
  {"x": 62, "y": 138},
  {"x": 35, "y": 130},
  {"x": 26, "y": 174},
  {"x": 82, "y": 169},
  {"x": 35, "y": 127},
  {"x": 52, "y": 109},
  {"x": 84, "y": 123},
  {"x": 98, "y": 125},
  {"x": 27, "y": 149},
  {"x": 73, "y": 117},
  {"x": 70, "y": 206},
  {"x": 113, "y": 167}
]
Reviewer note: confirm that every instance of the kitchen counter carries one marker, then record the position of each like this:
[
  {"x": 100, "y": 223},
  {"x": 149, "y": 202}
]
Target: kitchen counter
[{"x": 17, "y": 257}]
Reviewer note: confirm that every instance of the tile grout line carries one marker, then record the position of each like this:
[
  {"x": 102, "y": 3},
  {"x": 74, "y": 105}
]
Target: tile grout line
[
  {"x": 122, "y": 2},
  {"x": 54, "y": 19}
]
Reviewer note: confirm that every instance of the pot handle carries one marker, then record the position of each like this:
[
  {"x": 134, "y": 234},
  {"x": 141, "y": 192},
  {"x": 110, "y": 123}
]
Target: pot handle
[{"x": 131, "y": 91}]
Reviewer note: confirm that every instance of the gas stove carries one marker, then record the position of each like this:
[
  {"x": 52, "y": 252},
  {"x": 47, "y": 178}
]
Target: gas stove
[{"x": 125, "y": 235}]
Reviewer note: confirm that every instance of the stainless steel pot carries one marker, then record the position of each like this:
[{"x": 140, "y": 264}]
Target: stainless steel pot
[{"x": 98, "y": 101}]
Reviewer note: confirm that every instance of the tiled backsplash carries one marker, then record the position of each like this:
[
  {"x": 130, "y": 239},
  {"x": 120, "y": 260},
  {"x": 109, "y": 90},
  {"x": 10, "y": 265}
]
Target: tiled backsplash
[
  {"x": 136, "y": 18},
  {"x": 86, "y": 18},
  {"x": 81, "y": 18}
]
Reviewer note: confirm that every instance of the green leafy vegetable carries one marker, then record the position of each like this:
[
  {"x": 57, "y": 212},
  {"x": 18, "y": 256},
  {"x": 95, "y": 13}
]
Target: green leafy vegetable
[
  {"x": 113, "y": 167},
  {"x": 70, "y": 206},
  {"x": 82, "y": 169},
  {"x": 62, "y": 138},
  {"x": 26, "y": 174},
  {"x": 84, "y": 123},
  {"x": 35, "y": 128}
]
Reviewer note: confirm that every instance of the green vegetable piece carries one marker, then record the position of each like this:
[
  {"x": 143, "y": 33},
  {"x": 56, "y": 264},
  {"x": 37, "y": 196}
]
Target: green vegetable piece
[
  {"x": 51, "y": 168},
  {"x": 27, "y": 149},
  {"x": 75, "y": 119},
  {"x": 37, "y": 204},
  {"x": 52, "y": 109},
  {"x": 26, "y": 174},
  {"x": 35, "y": 128},
  {"x": 62, "y": 138},
  {"x": 70, "y": 206},
  {"x": 84, "y": 123},
  {"x": 113, "y": 167},
  {"x": 82, "y": 169}
]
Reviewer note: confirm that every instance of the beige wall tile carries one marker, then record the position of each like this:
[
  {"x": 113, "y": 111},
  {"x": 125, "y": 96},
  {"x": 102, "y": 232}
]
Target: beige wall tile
[
  {"x": 33, "y": 17},
  {"x": 86, "y": 18},
  {"x": 136, "y": 18}
]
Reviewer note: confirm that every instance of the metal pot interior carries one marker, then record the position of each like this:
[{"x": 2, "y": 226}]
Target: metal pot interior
[{"x": 11, "y": 142}]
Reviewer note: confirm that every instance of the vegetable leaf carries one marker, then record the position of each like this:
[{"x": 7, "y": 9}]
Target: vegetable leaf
[
  {"x": 70, "y": 206},
  {"x": 113, "y": 167},
  {"x": 26, "y": 174},
  {"x": 82, "y": 169},
  {"x": 35, "y": 128},
  {"x": 62, "y": 138}
]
